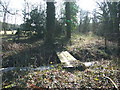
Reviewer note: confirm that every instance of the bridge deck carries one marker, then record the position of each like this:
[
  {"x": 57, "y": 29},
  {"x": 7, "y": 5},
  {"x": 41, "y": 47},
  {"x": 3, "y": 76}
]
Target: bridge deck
[{"x": 65, "y": 57}]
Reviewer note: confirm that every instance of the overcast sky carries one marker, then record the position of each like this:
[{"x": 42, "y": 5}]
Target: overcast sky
[{"x": 19, "y": 4}]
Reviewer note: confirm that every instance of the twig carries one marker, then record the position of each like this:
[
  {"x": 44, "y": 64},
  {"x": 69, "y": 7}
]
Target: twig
[{"x": 111, "y": 81}]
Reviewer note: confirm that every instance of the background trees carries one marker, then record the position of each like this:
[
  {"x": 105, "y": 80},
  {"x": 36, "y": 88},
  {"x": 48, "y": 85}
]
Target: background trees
[
  {"x": 36, "y": 21},
  {"x": 36, "y": 18},
  {"x": 95, "y": 22},
  {"x": 84, "y": 24},
  {"x": 108, "y": 17},
  {"x": 39, "y": 19},
  {"x": 86, "y": 21}
]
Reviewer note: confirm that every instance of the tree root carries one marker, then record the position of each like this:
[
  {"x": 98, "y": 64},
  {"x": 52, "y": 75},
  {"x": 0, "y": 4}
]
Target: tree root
[{"x": 111, "y": 81}]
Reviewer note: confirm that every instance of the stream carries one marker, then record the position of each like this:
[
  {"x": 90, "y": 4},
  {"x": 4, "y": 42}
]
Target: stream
[{"x": 41, "y": 68}]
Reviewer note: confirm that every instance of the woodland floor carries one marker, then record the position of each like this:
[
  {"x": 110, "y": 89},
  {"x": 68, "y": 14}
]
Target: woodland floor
[{"x": 85, "y": 48}]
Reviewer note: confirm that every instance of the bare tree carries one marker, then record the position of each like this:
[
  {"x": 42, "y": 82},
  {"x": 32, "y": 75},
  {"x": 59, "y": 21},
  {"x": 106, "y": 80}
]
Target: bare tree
[
  {"x": 94, "y": 21},
  {"x": 5, "y": 10},
  {"x": 26, "y": 11},
  {"x": 82, "y": 14}
]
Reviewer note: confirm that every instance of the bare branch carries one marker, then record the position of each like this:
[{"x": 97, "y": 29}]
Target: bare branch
[
  {"x": 5, "y": 7},
  {"x": 111, "y": 81}
]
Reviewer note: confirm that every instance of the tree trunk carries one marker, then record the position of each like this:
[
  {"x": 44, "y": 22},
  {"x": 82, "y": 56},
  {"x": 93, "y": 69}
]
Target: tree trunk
[
  {"x": 68, "y": 19},
  {"x": 4, "y": 24},
  {"x": 50, "y": 24}
]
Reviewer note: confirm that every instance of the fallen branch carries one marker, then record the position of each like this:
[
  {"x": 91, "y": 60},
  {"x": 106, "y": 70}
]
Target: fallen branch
[{"x": 111, "y": 81}]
